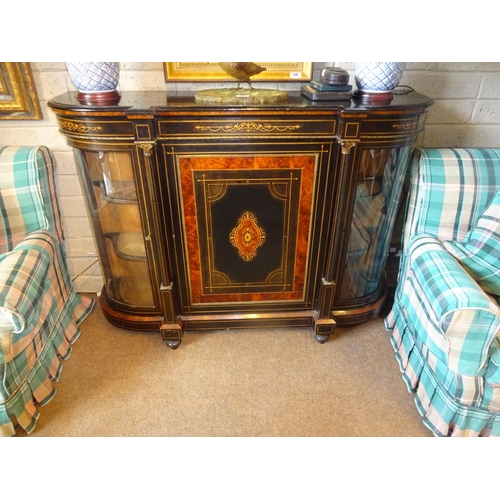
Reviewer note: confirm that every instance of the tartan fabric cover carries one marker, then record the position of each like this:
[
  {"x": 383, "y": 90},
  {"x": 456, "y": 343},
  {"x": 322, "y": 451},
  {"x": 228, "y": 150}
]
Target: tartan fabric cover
[
  {"x": 40, "y": 311},
  {"x": 27, "y": 200},
  {"x": 479, "y": 251},
  {"x": 445, "y": 328},
  {"x": 22, "y": 276}
]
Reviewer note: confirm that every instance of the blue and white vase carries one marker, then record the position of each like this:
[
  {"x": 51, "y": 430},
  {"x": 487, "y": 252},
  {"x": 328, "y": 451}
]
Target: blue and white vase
[
  {"x": 378, "y": 77},
  {"x": 94, "y": 76}
]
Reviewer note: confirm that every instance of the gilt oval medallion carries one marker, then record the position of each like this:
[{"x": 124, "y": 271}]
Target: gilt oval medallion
[{"x": 247, "y": 236}]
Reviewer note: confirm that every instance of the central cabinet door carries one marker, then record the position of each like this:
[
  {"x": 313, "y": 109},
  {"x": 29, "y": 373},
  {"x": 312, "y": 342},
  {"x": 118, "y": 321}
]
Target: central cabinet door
[{"x": 247, "y": 222}]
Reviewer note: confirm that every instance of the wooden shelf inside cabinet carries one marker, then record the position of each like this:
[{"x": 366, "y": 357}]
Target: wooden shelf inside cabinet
[
  {"x": 132, "y": 290},
  {"x": 128, "y": 246},
  {"x": 118, "y": 191}
]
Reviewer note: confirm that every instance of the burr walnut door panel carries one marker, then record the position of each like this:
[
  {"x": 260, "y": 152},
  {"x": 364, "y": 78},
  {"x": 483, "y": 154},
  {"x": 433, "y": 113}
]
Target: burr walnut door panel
[{"x": 247, "y": 224}]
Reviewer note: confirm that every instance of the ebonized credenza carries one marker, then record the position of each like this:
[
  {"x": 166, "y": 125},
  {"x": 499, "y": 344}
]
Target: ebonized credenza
[{"x": 228, "y": 216}]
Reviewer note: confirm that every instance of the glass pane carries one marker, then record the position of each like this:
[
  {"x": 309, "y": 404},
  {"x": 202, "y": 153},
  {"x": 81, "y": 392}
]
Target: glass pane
[
  {"x": 378, "y": 189},
  {"x": 112, "y": 200}
]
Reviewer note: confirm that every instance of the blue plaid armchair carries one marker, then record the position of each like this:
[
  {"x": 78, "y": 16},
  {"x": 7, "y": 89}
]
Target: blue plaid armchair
[
  {"x": 445, "y": 321},
  {"x": 39, "y": 311}
]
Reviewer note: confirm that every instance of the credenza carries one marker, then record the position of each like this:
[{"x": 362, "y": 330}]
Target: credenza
[{"x": 210, "y": 216}]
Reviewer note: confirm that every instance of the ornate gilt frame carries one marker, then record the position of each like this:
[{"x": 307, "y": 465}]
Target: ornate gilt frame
[
  {"x": 211, "y": 71},
  {"x": 18, "y": 97}
]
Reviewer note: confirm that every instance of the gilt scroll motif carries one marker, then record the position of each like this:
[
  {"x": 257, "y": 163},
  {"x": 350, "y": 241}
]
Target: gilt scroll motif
[
  {"x": 78, "y": 127},
  {"x": 248, "y": 127},
  {"x": 406, "y": 126}
]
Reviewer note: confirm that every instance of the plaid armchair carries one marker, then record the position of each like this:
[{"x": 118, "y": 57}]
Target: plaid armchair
[
  {"x": 445, "y": 321},
  {"x": 39, "y": 311}
]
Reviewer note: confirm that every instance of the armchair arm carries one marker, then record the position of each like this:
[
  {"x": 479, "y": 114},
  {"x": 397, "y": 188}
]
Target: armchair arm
[
  {"x": 6, "y": 331},
  {"x": 458, "y": 309},
  {"x": 23, "y": 301}
]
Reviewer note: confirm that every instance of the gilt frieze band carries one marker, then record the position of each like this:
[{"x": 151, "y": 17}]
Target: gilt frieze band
[
  {"x": 405, "y": 126},
  {"x": 248, "y": 127},
  {"x": 78, "y": 127}
]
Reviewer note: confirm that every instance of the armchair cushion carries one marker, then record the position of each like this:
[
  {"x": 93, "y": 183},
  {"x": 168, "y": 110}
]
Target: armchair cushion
[{"x": 479, "y": 251}]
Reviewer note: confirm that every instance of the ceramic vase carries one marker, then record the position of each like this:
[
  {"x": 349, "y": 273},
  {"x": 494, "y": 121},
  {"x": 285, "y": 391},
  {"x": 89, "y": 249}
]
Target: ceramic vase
[
  {"x": 95, "y": 81},
  {"x": 94, "y": 76},
  {"x": 378, "y": 77}
]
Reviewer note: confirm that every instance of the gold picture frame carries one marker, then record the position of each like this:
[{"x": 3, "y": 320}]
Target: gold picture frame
[
  {"x": 18, "y": 97},
  {"x": 212, "y": 72}
]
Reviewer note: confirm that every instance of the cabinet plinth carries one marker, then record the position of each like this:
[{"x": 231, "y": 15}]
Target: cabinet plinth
[{"x": 253, "y": 216}]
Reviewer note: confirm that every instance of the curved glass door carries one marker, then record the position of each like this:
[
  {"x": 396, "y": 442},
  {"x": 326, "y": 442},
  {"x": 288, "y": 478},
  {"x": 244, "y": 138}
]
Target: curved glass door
[
  {"x": 112, "y": 202},
  {"x": 378, "y": 189}
]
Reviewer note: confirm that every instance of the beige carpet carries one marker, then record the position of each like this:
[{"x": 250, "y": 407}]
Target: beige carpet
[{"x": 231, "y": 383}]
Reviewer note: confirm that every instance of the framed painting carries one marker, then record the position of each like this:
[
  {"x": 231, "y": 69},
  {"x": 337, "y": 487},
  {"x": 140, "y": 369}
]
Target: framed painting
[
  {"x": 18, "y": 97},
  {"x": 212, "y": 72}
]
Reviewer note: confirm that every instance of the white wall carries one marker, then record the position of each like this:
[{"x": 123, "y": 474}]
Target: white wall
[{"x": 466, "y": 113}]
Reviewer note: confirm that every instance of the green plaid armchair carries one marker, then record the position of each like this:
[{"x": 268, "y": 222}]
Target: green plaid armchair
[
  {"x": 39, "y": 311},
  {"x": 445, "y": 321}
]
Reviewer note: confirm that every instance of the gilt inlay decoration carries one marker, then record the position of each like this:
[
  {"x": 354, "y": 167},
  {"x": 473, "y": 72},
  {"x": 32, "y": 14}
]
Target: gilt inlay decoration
[
  {"x": 247, "y": 236},
  {"x": 78, "y": 127},
  {"x": 248, "y": 127},
  {"x": 405, "y": 126}
]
